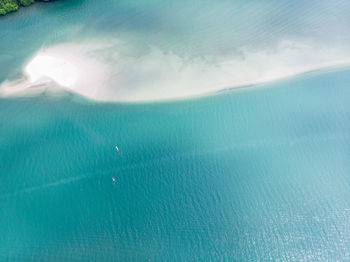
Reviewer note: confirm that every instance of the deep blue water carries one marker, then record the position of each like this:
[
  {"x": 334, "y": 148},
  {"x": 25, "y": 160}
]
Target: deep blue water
[{"x": 260, "y": 173}]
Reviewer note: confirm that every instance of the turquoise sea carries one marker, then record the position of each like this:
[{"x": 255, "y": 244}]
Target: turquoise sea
[{"x": 259, "y": 173}]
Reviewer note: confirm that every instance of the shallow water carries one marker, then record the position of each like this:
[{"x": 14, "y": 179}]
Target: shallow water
[
  {"x": 156, "y": 50},
  {"x": 258, "y": 173}
]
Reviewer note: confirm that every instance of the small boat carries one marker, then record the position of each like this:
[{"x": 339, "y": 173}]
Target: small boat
[
  {"x": 116, "y": 148},
  {"x": 113, "y": 179}
]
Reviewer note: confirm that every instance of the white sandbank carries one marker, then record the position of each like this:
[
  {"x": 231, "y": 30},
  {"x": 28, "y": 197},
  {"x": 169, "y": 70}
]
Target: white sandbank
[{"x": 108, "y": 70}]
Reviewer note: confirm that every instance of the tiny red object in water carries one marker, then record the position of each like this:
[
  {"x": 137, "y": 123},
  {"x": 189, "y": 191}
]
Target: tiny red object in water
[
  {"x": 113, "y": 179},
  {"x": 117, "y": 148}
]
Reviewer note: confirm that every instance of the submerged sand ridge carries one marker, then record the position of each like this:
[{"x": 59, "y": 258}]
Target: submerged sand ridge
[{"x": 109, "y": 70}]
